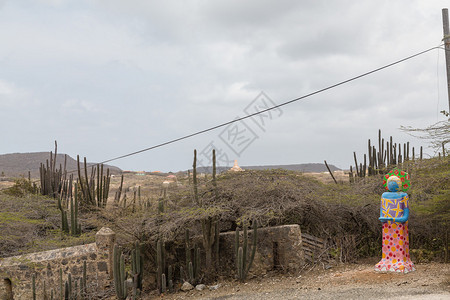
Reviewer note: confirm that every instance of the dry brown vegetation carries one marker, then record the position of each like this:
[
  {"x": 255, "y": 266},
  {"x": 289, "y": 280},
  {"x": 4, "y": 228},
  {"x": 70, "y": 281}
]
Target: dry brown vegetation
[{"x": 344, "y": 214}]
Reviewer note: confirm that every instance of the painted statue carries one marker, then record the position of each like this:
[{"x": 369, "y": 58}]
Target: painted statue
[{"x": 394, "y": 214}]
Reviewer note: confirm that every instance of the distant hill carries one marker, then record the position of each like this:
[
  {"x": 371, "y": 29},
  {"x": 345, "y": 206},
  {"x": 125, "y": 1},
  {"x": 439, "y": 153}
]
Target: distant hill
[
  {"x": 306, "y": 168},
  {"x": 18, "y": 164}
]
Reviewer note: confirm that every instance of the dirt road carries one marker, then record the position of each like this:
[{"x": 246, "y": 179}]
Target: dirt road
[{"x": 357, "y": 281}]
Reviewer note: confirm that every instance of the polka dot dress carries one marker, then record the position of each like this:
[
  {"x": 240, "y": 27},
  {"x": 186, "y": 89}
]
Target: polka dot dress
[{"x": 395, "y": 248}]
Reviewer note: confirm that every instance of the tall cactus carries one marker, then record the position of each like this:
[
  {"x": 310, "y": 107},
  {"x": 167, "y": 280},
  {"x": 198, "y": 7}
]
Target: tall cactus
[
  {"x": 103, "y": 183},
  {"x": 66, "y": 291},
  {"x": 83, "y": 282},
  {"x": 208, "y": 224},
  {"x": 50, "y": 176},
  {"x": 119, "y": 192},
  {"x": 243, "y": 263},
  {"x": 94, "y": 192},
  {"x": 191, "y": 276},
  {"x": 170, "y": 278},
  {"x": 194, "y": 177},
  {"x": 388, "y": 154},
  {"x": 119, "y": 273},
  {"x": 196, "y": 263},
  {"x": 160, "y": 263},
  {"x": 61, "y": 295},
  {"x": 163, "y": 283},
  {"x": 69, "y": 286},
  {"x": 136, "y": 268},
  {"x": 64, "y": 221},
  {"x": 192, "y": 265},
  {"x": 187, "y": 252},
  {"x": 33, "y": 285},
  {"x": 75, "y": 228}
]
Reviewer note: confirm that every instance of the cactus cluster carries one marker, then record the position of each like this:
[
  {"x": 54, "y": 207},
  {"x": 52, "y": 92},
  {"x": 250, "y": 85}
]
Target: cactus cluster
[
  {"x": 243, "y": 262},
  {"x": 164, "y": 279},
  {"x": 94, "y": 187},
  {"x": 53, "y": 181},
  {"x": 50, "y": 176},
  {"x": 75, "y": 228},
  {"x": 118, "y": 192},
  {"x": 136, "y": 201},
  {"x": 120, "y": 275},
  {"x": 378, "y": 160},
  {"x": 209, "y": 224}
]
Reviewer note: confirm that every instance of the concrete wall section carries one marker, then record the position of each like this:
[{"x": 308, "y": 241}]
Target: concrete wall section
[{"x": 278, "y": 247}]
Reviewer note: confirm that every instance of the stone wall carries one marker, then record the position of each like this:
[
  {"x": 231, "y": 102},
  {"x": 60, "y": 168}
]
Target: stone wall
[
  {"x": 278, "y": 248},
  {"x": 16, "y": 272}
]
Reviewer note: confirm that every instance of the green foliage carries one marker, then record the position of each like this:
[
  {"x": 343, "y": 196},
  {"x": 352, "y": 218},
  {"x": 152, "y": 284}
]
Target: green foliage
[
  {"x": 15, "y": 217},
  {"x": 21, "y": 188},
  {"x": 423, "y": 255}
]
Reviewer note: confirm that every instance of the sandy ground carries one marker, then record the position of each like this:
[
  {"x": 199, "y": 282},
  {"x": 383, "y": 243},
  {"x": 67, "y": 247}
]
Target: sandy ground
[{"x": 356, "y": 281}]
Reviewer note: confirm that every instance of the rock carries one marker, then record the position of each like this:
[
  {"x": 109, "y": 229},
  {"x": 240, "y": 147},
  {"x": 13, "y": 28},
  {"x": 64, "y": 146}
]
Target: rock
[
  {"x": 214, "y": 287},
  {"x": 200, "y": 287},
  {"x": 186, "y": 286}
]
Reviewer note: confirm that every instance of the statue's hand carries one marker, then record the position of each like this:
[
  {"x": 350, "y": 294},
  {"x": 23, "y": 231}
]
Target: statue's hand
[{"x": 383, "y": 219}]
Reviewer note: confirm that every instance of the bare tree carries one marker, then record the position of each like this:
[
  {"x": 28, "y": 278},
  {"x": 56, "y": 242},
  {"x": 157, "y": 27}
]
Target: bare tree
[{"x": 437, "y": 134}]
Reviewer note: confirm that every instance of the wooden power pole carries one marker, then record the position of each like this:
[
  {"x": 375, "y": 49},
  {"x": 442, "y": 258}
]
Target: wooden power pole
[{"x": 446, "y": 40}]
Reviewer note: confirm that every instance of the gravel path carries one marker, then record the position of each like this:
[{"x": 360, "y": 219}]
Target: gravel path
[{"x": 357, "y": 281}]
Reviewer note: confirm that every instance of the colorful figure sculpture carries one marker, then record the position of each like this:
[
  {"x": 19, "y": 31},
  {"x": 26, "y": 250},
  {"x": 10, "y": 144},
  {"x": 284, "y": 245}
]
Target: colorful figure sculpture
[{"x": 394, "y": 214}]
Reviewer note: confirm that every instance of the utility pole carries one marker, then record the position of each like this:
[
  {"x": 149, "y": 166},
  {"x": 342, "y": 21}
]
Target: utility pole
[{"x": 446, "y": 40}]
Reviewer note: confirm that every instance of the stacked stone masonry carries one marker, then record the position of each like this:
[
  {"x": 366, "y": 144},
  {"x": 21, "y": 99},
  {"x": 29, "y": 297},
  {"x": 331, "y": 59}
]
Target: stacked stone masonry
[
  {"x": 16, "y": 272},
  {"x": 278, "y": 247}
]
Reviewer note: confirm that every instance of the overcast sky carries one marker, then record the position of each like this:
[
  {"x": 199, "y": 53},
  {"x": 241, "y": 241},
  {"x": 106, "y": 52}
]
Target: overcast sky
[{"x": 107, "y": 77}]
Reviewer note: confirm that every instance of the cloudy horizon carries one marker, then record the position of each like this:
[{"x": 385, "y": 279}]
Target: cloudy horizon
[{"x": 108, "y": 78}]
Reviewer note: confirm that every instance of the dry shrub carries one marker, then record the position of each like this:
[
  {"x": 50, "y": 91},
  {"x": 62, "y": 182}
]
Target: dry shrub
[
  {"x": 345, "y": 215},
  {"x": 273, "y": 197}
]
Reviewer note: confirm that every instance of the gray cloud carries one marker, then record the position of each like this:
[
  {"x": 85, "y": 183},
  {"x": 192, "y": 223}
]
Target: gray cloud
[{"x": 109, "y": 77}]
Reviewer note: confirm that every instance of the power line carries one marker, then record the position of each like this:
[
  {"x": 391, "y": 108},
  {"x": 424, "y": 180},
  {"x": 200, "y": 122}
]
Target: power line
[{"x": 273, "y": 107}]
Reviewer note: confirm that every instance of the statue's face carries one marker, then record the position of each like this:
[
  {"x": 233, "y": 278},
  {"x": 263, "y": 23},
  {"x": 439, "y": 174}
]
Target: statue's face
[{"x": 394, "y": 184}]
